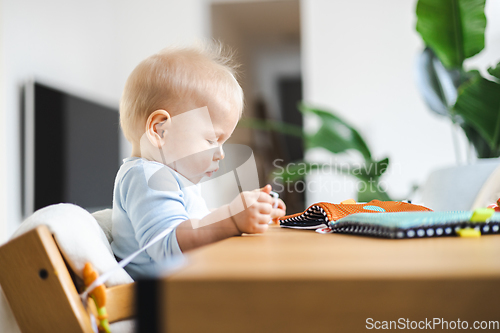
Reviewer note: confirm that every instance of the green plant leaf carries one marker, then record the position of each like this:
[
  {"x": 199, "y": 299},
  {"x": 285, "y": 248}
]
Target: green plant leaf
[
  {"x": 372, "y": 170},
  {"x": 272, "y": 125},
  {"x": 335, "y": 134},
  {"x": 369, "y": 187},
  {"x": 454, "y": 29},
  {"x": 495, "y": 71},
  {"x": 299, "y": 169},
  {"x": 438, "y": 85},
  {"x": 478, "y": 103},
  {"x": 482, "y": 147},
  {"x": 294, "y": 171},
  {"x": 369, "y": 191},
  {"x": 364, "y": 172},
  {"x": 429, "y": 83}
]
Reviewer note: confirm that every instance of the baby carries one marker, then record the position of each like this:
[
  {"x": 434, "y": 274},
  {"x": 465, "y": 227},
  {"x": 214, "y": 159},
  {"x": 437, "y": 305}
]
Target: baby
[{"x": 177, "y": 109}]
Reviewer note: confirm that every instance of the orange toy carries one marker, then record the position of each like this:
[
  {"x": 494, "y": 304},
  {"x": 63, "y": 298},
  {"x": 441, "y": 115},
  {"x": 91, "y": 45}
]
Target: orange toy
[
  {"x": 338, "y": 211},
  {"x": 320, "y": 214},
  {"x": 98, "y": 295},
  {"x": 496, "y": 206}
]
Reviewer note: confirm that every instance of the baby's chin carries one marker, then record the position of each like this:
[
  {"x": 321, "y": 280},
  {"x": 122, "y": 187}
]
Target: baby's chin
[
  {"x": 195, "y": 179},
  {"x": 194, "y": 176},
  {"x": 201, "y": 177}
]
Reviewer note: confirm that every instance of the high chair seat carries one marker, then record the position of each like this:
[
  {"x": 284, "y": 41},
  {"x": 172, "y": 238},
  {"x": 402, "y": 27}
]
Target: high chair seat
[{"x": 42, "y": 265}]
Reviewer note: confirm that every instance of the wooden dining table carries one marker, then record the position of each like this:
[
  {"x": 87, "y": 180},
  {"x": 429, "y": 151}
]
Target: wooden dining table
[{"x": 288, "y": 280}]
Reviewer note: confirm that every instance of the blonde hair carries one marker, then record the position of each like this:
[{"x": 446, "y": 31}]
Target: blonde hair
[{"x": 164, "y": 79}]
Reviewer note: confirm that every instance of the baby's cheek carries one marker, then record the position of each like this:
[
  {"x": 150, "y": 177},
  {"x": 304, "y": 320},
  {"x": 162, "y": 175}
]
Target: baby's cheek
[
  {"x": 205, "y": 158},
  {"x": 196, "y": 164}
]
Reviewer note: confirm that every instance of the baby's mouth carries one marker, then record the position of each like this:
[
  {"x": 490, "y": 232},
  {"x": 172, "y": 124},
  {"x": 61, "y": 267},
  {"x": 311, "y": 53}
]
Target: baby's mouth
[{"x": 210, "y": 173}]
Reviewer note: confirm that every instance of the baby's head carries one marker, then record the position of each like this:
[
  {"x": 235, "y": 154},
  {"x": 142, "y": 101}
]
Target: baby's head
[{"x": 184, "y": 103}]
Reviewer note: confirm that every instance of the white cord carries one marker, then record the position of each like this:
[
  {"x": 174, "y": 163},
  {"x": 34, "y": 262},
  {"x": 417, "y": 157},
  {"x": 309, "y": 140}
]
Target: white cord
[
  {"x": 93, "y": 322},
  {"x": 275, "y": 205},
  {"x": 124, "y": 262}
]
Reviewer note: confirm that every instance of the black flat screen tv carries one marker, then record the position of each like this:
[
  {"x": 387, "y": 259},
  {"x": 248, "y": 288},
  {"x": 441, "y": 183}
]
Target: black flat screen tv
[{"x": 71, "y": 150}]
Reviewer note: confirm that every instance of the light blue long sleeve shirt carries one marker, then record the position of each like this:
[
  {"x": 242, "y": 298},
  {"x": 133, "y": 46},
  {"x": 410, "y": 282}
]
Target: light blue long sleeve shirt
[{"x": 149, "y": 197}]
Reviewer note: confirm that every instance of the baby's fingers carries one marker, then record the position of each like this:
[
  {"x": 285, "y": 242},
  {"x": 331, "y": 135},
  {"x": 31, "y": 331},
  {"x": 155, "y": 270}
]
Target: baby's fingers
[
  {"x": 281, "y": 205},
  {"x": 265, "y": 208},
  {"x": 265, "y": 198},
  {"x": 261, "y": 228},
  {"x": 277, "y": 213},
  {"x": 266, "y": 189}
]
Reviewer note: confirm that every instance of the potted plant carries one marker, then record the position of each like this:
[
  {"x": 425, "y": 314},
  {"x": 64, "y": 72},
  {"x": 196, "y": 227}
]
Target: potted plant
[
  {"x": 453, "y": 31},
  {"x": 336, "y": 136}
]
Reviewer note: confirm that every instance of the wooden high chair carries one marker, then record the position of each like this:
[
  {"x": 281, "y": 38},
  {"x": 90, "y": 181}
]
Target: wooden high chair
[{"x": 42, "y": 290}]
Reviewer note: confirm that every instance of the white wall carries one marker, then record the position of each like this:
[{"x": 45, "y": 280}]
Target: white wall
[
  {"x": 3, "y": 191},
  {"x": 84, "y": 47},
  {"x": 358, "y": 59},
  {"x": 7, "y": 322},
  {"x": 87, "y": 48}
]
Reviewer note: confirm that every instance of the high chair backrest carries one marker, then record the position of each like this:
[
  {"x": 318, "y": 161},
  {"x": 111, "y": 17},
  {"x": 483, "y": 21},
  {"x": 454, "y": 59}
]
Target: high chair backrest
[
  {"x": 41, "y": 292},
  {"x": 463, "y": 187}
]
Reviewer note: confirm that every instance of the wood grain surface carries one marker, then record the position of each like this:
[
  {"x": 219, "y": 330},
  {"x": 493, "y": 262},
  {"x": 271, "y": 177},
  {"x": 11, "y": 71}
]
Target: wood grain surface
[{"x": 301, "y": 281}]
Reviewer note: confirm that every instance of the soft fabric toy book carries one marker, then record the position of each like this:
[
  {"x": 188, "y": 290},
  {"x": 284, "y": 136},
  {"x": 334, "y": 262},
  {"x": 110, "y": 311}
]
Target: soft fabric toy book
[
  {"x": 320, "y": 214},
  {"x": 391, "y": 219},
  {"x": 417, "y": 224}
]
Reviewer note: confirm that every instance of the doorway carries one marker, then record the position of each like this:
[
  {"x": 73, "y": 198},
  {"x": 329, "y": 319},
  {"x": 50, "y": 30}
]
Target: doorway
[{"x": 265, "y": 37}]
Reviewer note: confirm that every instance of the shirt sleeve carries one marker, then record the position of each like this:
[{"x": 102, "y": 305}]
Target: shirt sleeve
[{"x": 154, "y": 202}]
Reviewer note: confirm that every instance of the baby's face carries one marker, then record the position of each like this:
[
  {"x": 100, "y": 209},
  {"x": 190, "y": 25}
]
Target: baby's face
[{"x": 194, "y": 139}]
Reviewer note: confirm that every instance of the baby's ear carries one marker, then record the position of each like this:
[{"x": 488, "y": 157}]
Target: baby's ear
[{"x": 157, "y": 126}]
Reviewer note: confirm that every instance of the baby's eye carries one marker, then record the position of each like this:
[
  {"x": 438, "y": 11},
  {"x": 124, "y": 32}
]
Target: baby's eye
[{"x": 212, "y": 142}]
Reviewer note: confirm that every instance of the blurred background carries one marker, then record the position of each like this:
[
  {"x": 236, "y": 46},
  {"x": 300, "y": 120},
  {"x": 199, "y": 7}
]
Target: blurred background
[{"x": 356, "y": 58}]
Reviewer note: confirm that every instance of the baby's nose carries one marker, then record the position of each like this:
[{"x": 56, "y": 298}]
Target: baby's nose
[{"x": 219, "y": 153}]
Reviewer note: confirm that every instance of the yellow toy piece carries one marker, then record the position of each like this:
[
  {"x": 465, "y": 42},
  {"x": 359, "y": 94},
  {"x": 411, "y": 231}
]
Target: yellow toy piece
[
  {"x": 480, "y": 215},
  {"x": 348, "y": 202},
  {"x": 98, "y": 295},
  {"x": 469, "y": 233}
]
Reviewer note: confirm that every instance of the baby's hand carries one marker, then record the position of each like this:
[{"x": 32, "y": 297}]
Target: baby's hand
[
  {"x": 255, "y": 210},
  {"x": 280, "y": 209}
]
